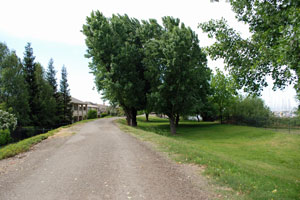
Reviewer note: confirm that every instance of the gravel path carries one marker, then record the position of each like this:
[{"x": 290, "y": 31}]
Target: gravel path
[{"x": 99, "y": 162}]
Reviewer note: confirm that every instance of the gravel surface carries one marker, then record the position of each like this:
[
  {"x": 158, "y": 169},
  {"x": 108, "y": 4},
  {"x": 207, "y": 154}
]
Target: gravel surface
[{"x": 98, "y": 162}]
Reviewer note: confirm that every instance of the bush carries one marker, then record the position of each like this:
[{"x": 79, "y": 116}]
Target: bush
[
  {"x": 104, "y": 114},
  {"x": 140, "y": 112},
  {"x": 5, "y": 137},
  {"x": 7, "y": 121},
  {"x": 29, "y": 131},
  {"x": 92, "y": 114},
  {"x": 250, "y": 111}
]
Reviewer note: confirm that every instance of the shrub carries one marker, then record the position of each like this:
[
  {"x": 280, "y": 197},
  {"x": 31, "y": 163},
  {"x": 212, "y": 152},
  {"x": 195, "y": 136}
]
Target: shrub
[
  {"x": 29, "y": 131},
  {"x": 7, "y": 121},
  {"x": 104, "y": 114},
  {"x": 5, "y": 137},
  {"x": 92, "y": 114},
  {"x": 250, "y": 111}
]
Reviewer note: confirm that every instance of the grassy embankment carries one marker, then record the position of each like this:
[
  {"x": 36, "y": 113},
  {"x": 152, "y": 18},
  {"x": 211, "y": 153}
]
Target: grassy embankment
[
  {"x": 254, "y": 162},
  {"x": 24, "y": 145}
]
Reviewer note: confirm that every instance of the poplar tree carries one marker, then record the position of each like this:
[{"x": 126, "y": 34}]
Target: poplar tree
[
  {"x": 116, "y": 51},
  {"x": 177, "y": 71}
]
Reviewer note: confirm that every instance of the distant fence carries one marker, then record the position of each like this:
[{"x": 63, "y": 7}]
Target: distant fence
[
  {"x": 280, "y": 124},
  {"x": 285, "y": 124}
]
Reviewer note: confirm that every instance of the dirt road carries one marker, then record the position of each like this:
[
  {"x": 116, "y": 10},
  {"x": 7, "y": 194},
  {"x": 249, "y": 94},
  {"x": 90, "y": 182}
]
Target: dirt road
[{"x": 98, "y": 162}]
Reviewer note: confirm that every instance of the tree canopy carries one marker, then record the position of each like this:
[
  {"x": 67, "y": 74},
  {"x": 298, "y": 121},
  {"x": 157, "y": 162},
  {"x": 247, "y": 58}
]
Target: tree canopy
[
  {"x": 27, "y": 91},
  {"x": 146, "y": 66},
  {"x": 223, "y": 92},
  {"x": 272, "y": 50},
  {"x": 177, "y": 70},
  {"x": 117, "y": 53},
  {"x": 64, "y": 99},
  {"x": 13, "y": 92}
]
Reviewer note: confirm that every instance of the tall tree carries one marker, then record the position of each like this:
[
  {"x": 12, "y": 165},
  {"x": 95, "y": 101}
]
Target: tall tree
[
  {"x": 44, "y": 100},
  {"x": 51, "y": 79},
  {"x": 175, "y": 66},
  {"x": 65, "y": 105},
  {"x": 116, "y": 50},
  {"x": 223, "y": 89},
  {"x": 13, "y": 92},
  {"x": 51, "y": 76},
  {"x": 272, "y": 50},
  {"x": 30, "y": 78}
]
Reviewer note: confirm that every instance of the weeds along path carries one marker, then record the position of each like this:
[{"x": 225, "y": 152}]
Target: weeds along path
[{"x": 98, "y": 162}]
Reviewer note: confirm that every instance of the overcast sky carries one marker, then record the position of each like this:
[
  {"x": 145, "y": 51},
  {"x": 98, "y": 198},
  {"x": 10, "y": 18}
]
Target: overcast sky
[{"x": 53, "y": 27}]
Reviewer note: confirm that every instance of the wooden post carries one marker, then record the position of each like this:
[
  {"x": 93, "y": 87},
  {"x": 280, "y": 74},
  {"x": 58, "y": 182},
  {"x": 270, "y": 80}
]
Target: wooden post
[{"x": 77, "y": 112}]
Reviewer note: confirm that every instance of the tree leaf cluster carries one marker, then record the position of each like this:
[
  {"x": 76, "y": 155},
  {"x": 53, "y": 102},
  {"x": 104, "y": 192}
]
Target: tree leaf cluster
[
  {"x": 30, "y": 93},
  {"x": 271, "y": 50},
  {"x": 142, "y": 65}
]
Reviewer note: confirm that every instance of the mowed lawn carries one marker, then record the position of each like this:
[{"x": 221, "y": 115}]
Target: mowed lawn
[{"x": 255, "y": 163}]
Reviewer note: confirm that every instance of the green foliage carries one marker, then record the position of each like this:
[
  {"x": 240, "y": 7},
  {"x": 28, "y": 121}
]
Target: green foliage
[
  {"x": 272, "y": 50},
  {"x": 7, "y": 121},
  {"x": 116, "y": 51},
  {"x": 24, "y": 145},
  {"x": 5, "y": 137},
  {"x": 140, "y": 112},
  {"x": 250, "y": 111},
  {"x": 51, "y": 76},
  {"x": 120, "y": 112},
  {"x": 104, "y": 114},
  {"x": 255, "y": 163},
  {"x": 13, "y": 92},
  {"x": 223, "y": 91},
  {"x": 29, "y": 68},
  {"x": 29, "y": 131},
  {"x": 92, "y": 114},
  {"x": 64, "y": 99},
  {"x": 44, "y": 101},
  {"x": 176, "y": 69},
  {"x": 31, "y": 94}
]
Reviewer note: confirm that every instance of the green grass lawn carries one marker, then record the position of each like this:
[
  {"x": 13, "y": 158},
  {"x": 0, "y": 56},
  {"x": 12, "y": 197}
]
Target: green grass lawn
[{"x": 254, "y": 162}]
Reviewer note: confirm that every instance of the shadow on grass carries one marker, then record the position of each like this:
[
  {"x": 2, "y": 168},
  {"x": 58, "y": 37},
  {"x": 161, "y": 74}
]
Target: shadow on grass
[
  {"x": 191, "y": 130},
  {"x": 161, "y": 126}
]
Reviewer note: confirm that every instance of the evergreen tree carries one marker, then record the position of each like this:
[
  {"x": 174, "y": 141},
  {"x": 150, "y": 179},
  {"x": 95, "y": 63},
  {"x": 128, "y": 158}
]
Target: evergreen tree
[
  {"x": 30, "y": 78},
  {"x": 13, "y": 92},
  {"x": 51, "y": 76},
  {"x": 51, "y": 79},
  {"x": 44, "y": 100},
  {"x": 65, "y": 99}
]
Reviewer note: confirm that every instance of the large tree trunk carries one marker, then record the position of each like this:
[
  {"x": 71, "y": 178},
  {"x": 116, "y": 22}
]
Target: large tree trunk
[
  {"x": 147, "y": 117},
  {"x": 172, "y": 125},
  {"x": 177, "y": 120},
  {"x": 128, "y": 116},
  {"x": 128, "y": 120},
  {"x": 133, "y": 117}
]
